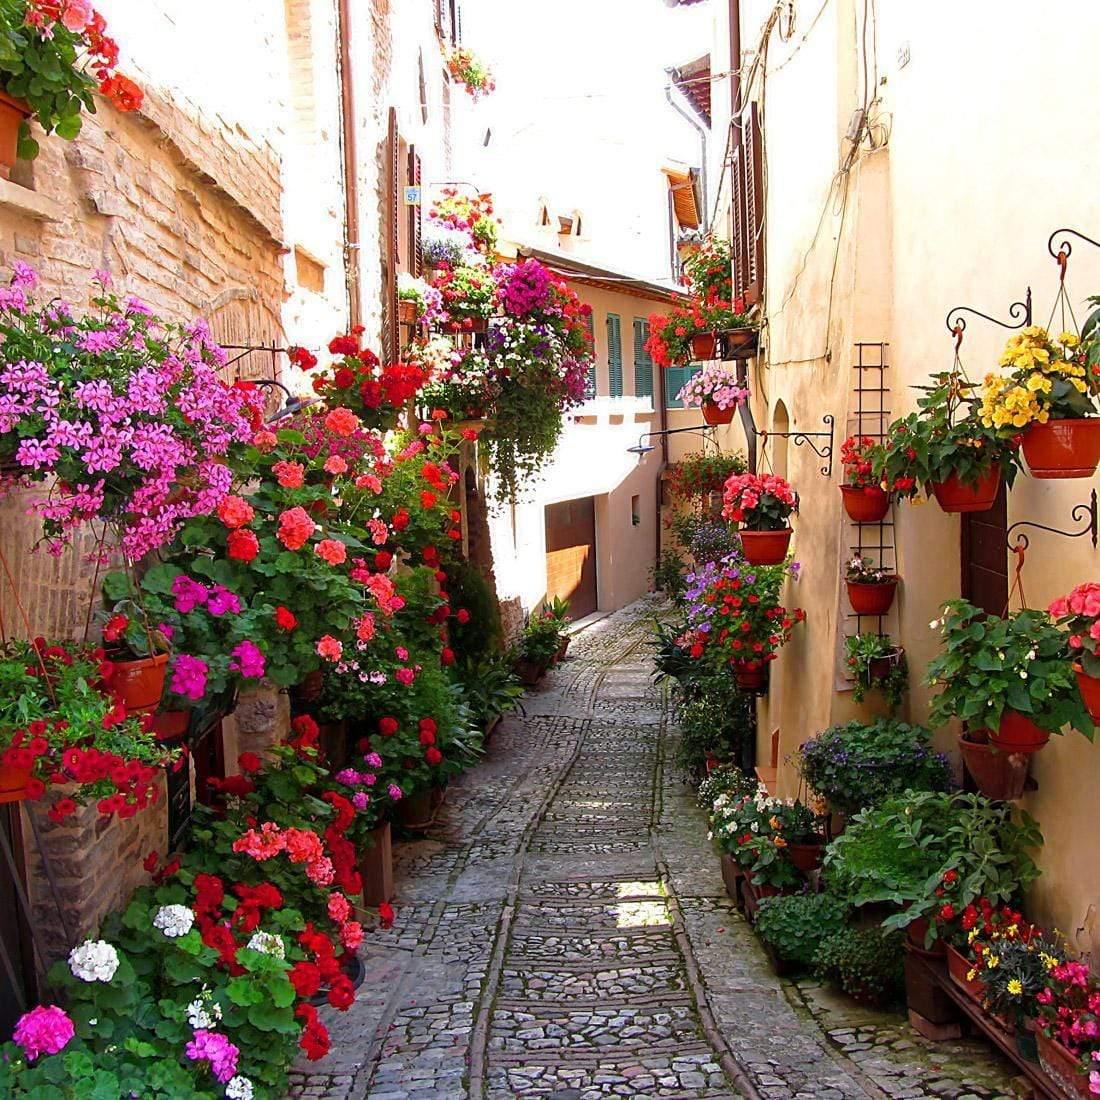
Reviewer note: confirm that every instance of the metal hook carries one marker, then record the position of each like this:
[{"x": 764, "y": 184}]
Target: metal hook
[
  {"x": 1020, "y": 312},
  {"x": 1078, "y": 514}
]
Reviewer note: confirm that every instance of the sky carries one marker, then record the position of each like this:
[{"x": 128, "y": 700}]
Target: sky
[{"x": 580, "y": 115}]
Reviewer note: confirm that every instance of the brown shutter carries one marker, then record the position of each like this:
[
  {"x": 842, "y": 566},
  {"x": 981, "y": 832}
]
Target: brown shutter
[
  {"x": 754, "y": 205},
  {"x": 416, "y": 253},
  {"x": 439, "y": 5},
  {"x": 446, "y": 26},
  {"x": 391, "y": 339},
  {"x": 737, "y": 222}
]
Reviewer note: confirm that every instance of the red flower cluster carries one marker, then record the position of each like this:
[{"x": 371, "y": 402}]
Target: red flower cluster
[{"x": 856, "y": 454}]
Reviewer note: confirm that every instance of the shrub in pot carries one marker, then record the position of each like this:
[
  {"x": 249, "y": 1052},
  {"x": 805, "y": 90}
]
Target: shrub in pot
[
  {"x": 1012, "y": 986},
  {"x": 865, "y": 500},
  {"x": 762, "y": 507},
  {"x": 1050, "y": 394},
  {"x": 857, "y": 766},
  {"x": 871, "y": 588},
  {"x": 795, "y": 925},
  {"x": 865, "y": 962},
  {"x": 946, "y": 450},
  {"x": 1079, "y": 615},
  {"x": 876, "y": 664}
]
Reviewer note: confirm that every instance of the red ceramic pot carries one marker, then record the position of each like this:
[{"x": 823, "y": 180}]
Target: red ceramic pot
[
  {"x": 12, "y": 113},
  {"x": 999, "y": 775},
  {"x": 916, "y": 931},
  {"x": 807, "y": 857},
  {"x": 749, "y": 678},
  {"x": 880, "y": 667},
  {"x": 139, "y": 684},
  {"x": 868, "y": 505},
  {"x": 1063, "y": 448},
  {"x": 872, "y": 599},
  {"x": 1018, "y": 734},
  {"x": 703, "y": 345},
  {"x": 1089, "y": 686},
  {"x": 13, "y": 783},
  {"x": 712, "y": 414},
  {"x": 953, "y": 495},
  {"x": 1061, "y": 1067},
  {"x": 958, "y": 967},
  {"x": 765, "y": 547},
  {"x": 171, "y": 725}
]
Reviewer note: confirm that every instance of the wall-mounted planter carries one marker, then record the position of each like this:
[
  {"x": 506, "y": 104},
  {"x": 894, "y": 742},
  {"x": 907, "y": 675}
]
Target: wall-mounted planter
[
  {"x": 1018, "y": 734},
  {"x": 703, "y": 346},
  {"x": 750, "y": 679},
  {"x": 997, "y": 774},
  {"x": 872, "y": 599},
  {"x": 740, "y": 343},
  {"x": 1063, "y": 448},
  {"x": 765, "y": 547},
  {"x": 953, "y": 495},
  {"x": 1089, "y": 686},
  {"x": 865, "y": 505}
]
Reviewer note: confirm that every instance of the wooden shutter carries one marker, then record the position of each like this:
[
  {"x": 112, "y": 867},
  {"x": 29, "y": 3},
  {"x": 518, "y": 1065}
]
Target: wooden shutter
[
  {"x": 737, "y": 222},
  {"x": 391, "y": 338},
  {"x": 643, "y": 364},
  {"x": 591, "y": 384},
  {"x": 675, "y": 379},
  {"x": 753, "y": 191},
  {"x": 614, "y": 355},
  {"x": 416, "y": 251}
]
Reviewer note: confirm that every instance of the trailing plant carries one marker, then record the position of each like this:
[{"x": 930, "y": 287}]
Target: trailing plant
[
  {"x": 702, "y": 473},
  {"x": 865, "y": 962},
  {"x": 706, "y": 538},
  {"x": 795, "y": 926},
  {"x": 875, "y": 663},
  {"x": 469, "y": 215},
  {"x": 989, "y": 665}
]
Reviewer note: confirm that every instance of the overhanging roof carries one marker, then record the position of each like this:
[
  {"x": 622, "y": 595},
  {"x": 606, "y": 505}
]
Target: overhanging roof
[
  {"x": 693, "y": 80},
  {"x": 605, "y": 278},
  {"x": 681, "y": 183}
]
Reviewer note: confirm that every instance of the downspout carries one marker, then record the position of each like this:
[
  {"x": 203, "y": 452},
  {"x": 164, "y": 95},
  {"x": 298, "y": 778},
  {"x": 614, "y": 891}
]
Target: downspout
[
  {"x": 352, "y": 267},
  {"x": 662, "y": 423},
  {"x": 684, "y": 113}
]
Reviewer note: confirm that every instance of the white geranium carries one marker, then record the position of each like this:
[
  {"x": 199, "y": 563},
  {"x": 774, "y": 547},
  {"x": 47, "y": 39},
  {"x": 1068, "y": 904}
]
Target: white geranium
[
  {"x": 238, "y": 1088},
  {"x": 93, "y": 961},
  {"x": 268, "y": 943},
  {"x": 174, "y": 920},
  {"x": 204, "y": 1013}
]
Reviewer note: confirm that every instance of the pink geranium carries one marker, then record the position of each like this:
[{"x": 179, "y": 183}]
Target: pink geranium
[
  {"x": 46, "y": 1029},
  {"x": 758, "y": 503}
]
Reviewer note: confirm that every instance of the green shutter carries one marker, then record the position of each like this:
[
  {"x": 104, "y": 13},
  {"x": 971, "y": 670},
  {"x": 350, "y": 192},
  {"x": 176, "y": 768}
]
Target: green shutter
[
  {"x": 590, "y": 385},
  {"x": 614, "y": 355},
  {"x": 643, "y": 363},
  {"x": 675, "y": 378}
]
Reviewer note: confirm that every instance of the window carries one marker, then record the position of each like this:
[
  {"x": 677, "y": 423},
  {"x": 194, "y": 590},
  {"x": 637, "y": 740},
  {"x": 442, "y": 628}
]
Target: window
[
  {"x": 614, "y": 355},
  {"x": 635, "y": 511},
  {"x": 643, "y": 363},
  {"x": 675, "y": 377}
]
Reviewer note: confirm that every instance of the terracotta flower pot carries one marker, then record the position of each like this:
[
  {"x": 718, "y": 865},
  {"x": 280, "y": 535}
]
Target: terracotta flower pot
[
  {"x": 13, "y": 783},
  {"x": 880, "y": 667},
  {"x": 739, "y": 343},
  {"x": 712, "y": 414},
  {"x": 563, "y": 647},
  {"x": 415, "y": 811},
  {"x": 171, "y": 725},
  {"x": 958, "y": 967},
  {"x": 406, "y": 311},
  {"x": 865, "y": 505},
  {"x": 1061, "y": 1067},
  {"x": 139, "y": 684},
  {"x": 1063, "y": 448},
  {"x": 750, "y": 679},
  {"x": 915, "y": 931},
  {"x": 529, "y": 672},
  {"x": 376, "y": 867},
  {"x": 703, "y": 346},
  {"x": 765, "y": 547},
  {"x": 872, "y": 599},
  {"x": 1018, "y": 734},
  {"x": 953, "y": 495},
  {"x": 12, "y": 113},
  {"x": 1089, "y": 686},
  {"x": 807, "y": 857},
  {"x": 999, "y": 775}
]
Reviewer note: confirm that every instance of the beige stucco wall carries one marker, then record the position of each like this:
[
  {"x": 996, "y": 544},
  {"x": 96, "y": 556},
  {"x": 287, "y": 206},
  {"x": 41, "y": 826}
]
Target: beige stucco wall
[{"x": 980, "y": 166}]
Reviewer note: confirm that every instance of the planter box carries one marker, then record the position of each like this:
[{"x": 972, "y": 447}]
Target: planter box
[
  {"x": 957, "y": 969},
  {"x": 415, "y": 811},
  {"x": 376, "y": 867},
  {"x": 1061, "y": 1067},
  {"x": 733, "y": 877}
]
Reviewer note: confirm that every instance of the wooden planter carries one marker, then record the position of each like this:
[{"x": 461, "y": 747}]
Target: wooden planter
[
  {"x": 1063, "y": 448},
  {"x": 872, "y": 599},
  {"x": 140, "y": 684},
  {"x": 765, "y": 547},
  {"x": 733, "y": 877},
  {"x": 953, "y": 495},
  {"x": 865, "y": 505},
  {"x": 376, "y": 867},
  {"x": 415, "y": 811},
  {"x": 997, "y": 774}
]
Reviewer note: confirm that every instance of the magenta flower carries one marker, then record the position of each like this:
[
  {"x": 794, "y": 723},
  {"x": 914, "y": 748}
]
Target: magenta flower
[
  {"x": 188, "y": 594},
  {"x": 46, "y": 1029},
  {"x": 215, "y": 1048},
  {"x": 189, "y": 676},
  {"x": 222, "y": 602},
  {"x": 248, "y": 660}
]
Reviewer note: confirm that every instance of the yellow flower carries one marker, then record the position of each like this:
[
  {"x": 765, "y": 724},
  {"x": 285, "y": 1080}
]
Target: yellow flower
[
  {"x": 971, "y": 974},
  {"x": 992, "y": 961},
  {"x": 1015, "y": 987},
  {"x": 1068, "y": 340},
  {"x": 1049, "y": 961}
]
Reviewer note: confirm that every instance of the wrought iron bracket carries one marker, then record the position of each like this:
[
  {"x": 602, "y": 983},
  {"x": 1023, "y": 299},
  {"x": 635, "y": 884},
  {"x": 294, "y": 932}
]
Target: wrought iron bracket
[
  {"x": 825, "y": 451},
  {"x": 1062, "y": 252},
  {"x": 1020, "y": 312},
  {"x": 1080, "y": 511}
]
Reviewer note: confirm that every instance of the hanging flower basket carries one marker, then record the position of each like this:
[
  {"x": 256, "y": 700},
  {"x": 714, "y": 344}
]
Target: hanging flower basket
[
  {"x": 739, "y": 343},
  {"x": 1018, "y": 734},
  {"x": 953, "y": 495},
  {"x": 765, "y": 547},
  {"x": 957, "y": 969},
  {"x": 865, "y": 505},
  {"x": 703, "y": 346},
  {"x": 1063, "y": 448},
  {"x": 13, "y": 783},
  {"x": 139, "y": 684},
  {"x": 872, "y": 599},
  {"x": 998, "y": 775},
  {"x": 406, "y": 311},
  {"x": 12, "y": 113},
  {"x": 713, "y": 414},
  {"x": 751, "y": 676},
  {"x": 1090, "y": 691}
]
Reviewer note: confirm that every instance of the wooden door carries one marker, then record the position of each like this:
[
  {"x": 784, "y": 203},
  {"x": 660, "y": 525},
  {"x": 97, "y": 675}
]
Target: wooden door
[
  {"x": 985, "y": 556},
  {"x": 571, "y": 554}
]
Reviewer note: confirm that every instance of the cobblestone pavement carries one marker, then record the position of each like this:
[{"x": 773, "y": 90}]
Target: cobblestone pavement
[{"x": 562, "y": 932}]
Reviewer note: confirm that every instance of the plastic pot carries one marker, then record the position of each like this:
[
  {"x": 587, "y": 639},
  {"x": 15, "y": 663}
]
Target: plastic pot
[
  {"x": 139, "y": 684},
  {"x": 807, "y": 857},
  {"x": 953, "y": 495},
  {"x": 880, "y": 667},
  {"x": 997, "y": 774},
  {"x": 1063, "y": 448},
  {"x": 957, "y": 968},
  {"x": 1061, "y": 1067},
  {"x": 13, "y": 783},
  {"x": 1018, "y": 734},
  {"x": 171, "y": 725},
  {"x": 12, "y": 113},
  {"x": 765, "y": 547},
  {"x": 865, "y": 505},
  {"x": 1089, "y": 686},
  {"x": 872, "y": 599},
  {"x": 751, "y": 679},
  {"x": 703, "y": 346},
  {"x": 712, "y": 414}
]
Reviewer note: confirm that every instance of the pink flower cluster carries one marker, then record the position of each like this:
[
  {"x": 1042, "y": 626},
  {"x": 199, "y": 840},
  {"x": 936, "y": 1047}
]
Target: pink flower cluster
[
  {"x": 46, "y": 1029},
  {"x": 217, "y": 1050},
  {"x": 1080, "y": 612},
  {"x": 716, "y": 384},
  {"x": 300, "y": 846},
  {"x": 749, "y": 497}
]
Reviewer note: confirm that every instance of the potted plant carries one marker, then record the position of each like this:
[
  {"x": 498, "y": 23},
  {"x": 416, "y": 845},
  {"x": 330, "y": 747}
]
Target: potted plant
[
  {"x": 138, "y": 653},
  {"x": 539, "y": 644},
  {"x": 802, "y": 829},
  {"x": 1069, "y": 1032},
  {"x": 875, "y": 663},
  {"x": 1012, "y": 986},
  {"x": 793, "y": 927},
  {"x": 761, "y": 506},
  {"x": 1008, "y": 680},
  {"x": 674, "y": 340},
  {"x": 417, "y": 300},
  {"x": 870, "y": 588},
  {"x": 467, "y": 69},
  {"x": 856, "y": 765},
  {"x": 558, "y": 611},
  {"x": 1049, "y": 395},
  {"x": 946, "y": 449},
  {"x": 56, "y": 57},
  {"x": 715, "y": 390},
  {"x": 720, "y": 322},
  {"x": 865, "y": 500},
  {"x": 469, "y": 297},
  {"x": 1079, "y": 614},
  {"x": 865, "y": 962}
]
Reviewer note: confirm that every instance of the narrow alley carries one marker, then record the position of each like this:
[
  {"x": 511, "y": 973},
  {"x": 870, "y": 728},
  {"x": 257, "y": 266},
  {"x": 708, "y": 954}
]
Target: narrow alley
[{"x": 563, "y": 932}]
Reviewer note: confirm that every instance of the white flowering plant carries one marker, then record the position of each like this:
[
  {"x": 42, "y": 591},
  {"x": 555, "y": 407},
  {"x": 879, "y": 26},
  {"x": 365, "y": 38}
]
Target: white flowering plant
[
  {"x": 93, "y": 961},
  {"x": 174, "y": 920}
]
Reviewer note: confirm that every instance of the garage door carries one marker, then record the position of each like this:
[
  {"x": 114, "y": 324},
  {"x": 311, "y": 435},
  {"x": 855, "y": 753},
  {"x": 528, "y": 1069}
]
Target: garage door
[{"x": 571, "y": 554}]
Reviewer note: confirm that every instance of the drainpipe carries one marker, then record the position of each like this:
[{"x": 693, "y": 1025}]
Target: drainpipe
[
  {"x": 684, "y": 113},
  {"x": 352, "y": 266}
]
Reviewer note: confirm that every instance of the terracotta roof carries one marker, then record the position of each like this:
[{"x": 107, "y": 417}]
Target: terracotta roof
[
  {"x": 681, "y": 182},
  {"x": 605, "y": 278},
  {"x": 693, "y": 80}
]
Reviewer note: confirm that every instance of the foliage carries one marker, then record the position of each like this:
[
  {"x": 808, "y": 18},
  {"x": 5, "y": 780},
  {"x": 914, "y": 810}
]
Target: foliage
[
  {"x": 944, "y": 437},
  {"x": 469, "y": 294},
  {"x": 861, "y": 569},
  {"x": 865, "y": 962},
  {"x": 490, "y": 687},
  {"x": 476, "y": 633},
  {"x": 470, "y": 71},
  {"x": 989, "y": 665},
  {"x": 540, "y": 640},
  {"x": 702, "y": 473},
  {"x": 706, "y": 538},
  {"x": 714, "y": 719},
  {"x": 1070, "y": 1008},
  {"x": 729, "y": 780},
  {"x": 470, "y": 216},
  {"x": 867, "y": 655},
  {"x": 708, "y": 273},
  {"x": 668, "y": 574},
  {"x": 758, "y": 502},
  {"x": 857, "y": 766},
  {"x": 795, "y": 925},
  {"x": 1021, "y": 973},
  {"x": 1079, "y": 615}
]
